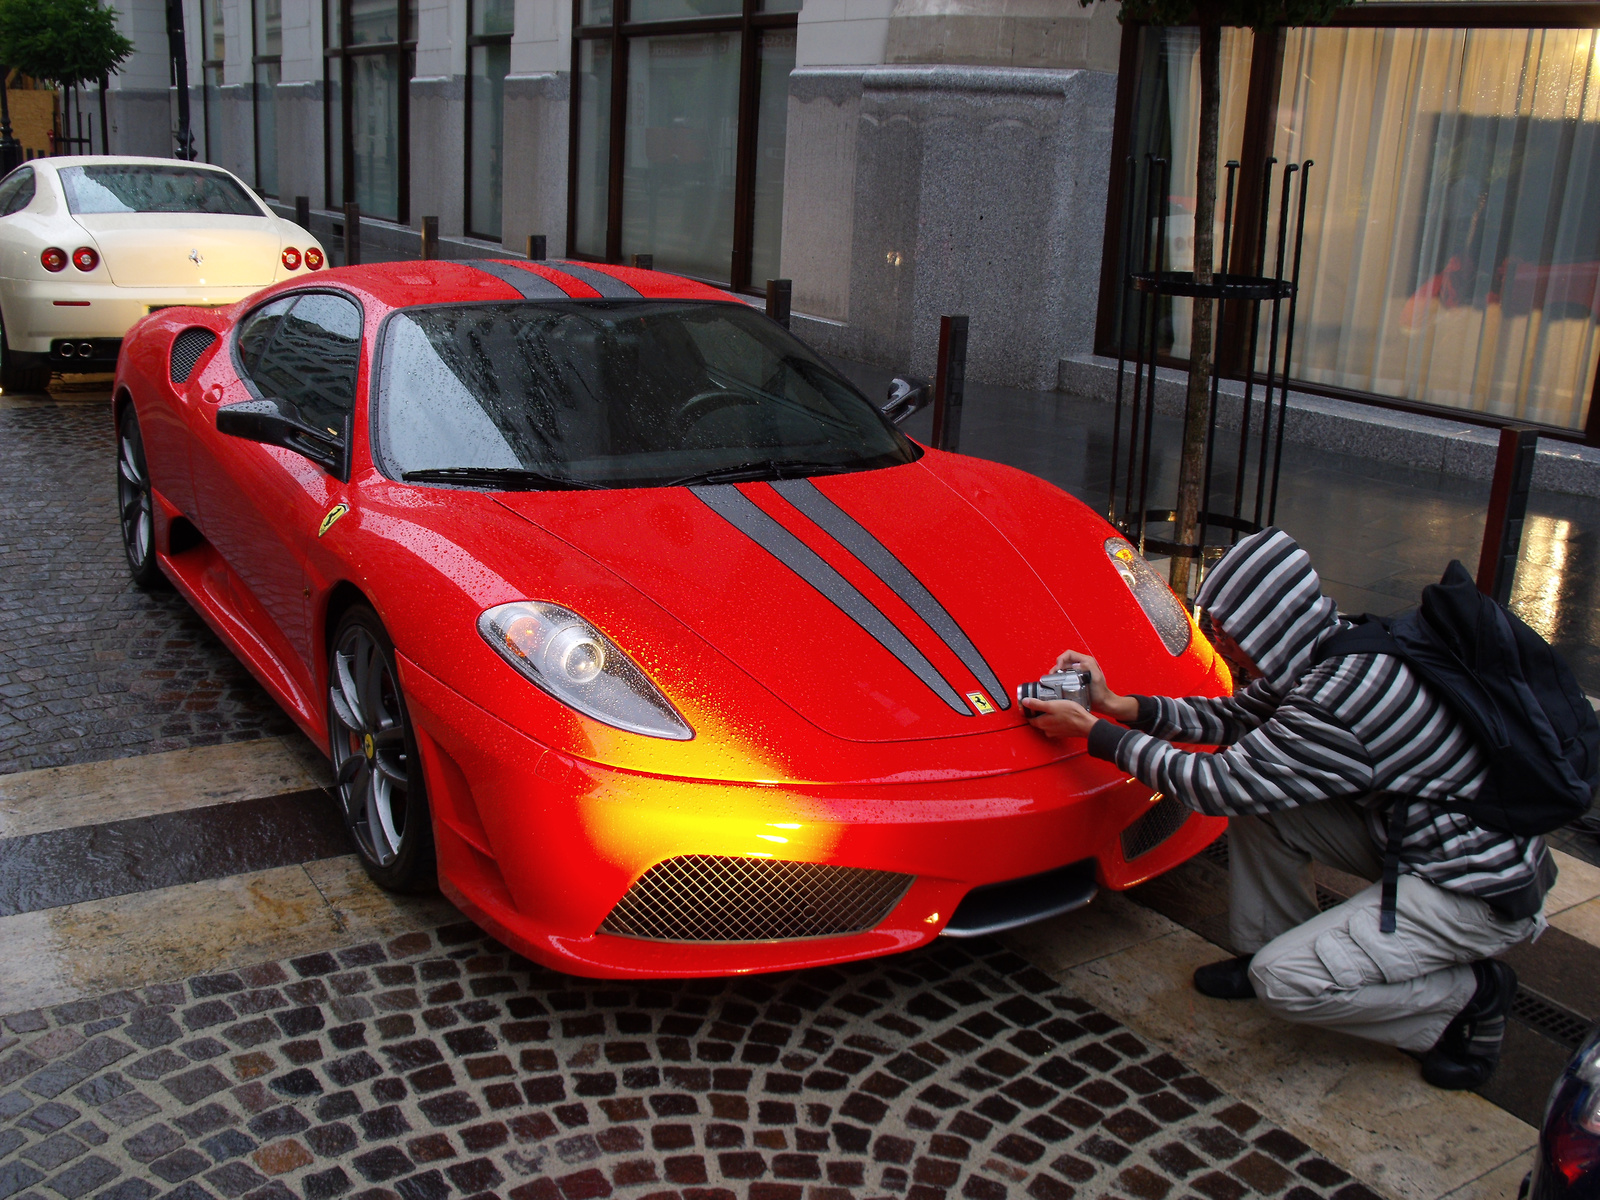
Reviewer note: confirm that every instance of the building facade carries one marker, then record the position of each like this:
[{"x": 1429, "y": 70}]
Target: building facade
[{"x": 901, "y": 159}]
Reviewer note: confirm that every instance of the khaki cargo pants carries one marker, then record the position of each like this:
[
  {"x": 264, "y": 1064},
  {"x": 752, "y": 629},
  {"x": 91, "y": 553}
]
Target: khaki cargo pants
[{"x": 1334, "y": 968}]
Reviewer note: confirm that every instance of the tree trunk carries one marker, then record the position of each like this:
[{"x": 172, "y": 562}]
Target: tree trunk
[{"x": 1191, "y": 467}]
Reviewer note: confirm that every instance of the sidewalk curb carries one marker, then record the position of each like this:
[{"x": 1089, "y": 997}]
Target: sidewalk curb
[{"x": 1365, "y": 431}]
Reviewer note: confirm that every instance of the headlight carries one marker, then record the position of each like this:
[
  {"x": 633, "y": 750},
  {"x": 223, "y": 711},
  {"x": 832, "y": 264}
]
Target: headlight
[
  {"x": 564, "y": 655},
  {"x": 1166, "y": 611}
]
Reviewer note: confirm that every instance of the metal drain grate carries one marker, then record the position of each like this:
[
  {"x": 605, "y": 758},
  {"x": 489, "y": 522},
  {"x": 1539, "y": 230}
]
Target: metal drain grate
[
  {"x": 711, "y": 898},
  {"x": 1555, "y": 1021},
  {"x": 1163, "y": 820},
  {"x": 1217, "y": 852}
]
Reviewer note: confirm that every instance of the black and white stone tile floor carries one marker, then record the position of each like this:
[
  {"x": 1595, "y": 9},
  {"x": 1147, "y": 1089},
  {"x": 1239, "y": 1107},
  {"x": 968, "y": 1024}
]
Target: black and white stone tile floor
[{"x": 436, "y": 1065}]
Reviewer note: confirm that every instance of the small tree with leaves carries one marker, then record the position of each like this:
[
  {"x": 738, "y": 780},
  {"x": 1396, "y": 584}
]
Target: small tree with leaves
[
  {"x": 1210, "y": 16},
  {"x": 63, "y": 42}
]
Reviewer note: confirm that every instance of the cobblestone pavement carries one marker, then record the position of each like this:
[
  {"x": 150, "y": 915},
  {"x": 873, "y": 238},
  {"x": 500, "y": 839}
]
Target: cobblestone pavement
[
  {"x": 91, "y": 668},
  {"x": 437, "y": 1065}
]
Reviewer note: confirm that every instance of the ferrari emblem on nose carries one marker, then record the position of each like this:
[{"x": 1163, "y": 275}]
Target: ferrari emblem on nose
[
  {"x": 980, "y": 702},
  {"x": 196, "y": 257}
]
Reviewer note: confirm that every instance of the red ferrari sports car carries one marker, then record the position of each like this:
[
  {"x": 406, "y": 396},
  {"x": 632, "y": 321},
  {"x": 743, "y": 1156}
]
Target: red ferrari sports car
[{"x": 631, "y": 622}]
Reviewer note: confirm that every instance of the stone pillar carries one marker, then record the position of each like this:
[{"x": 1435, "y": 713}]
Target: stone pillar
[
  {"x": 914, "y": 191},
  {"x": 438, "y": 156},
  {"x": 534, "y": 199},
  {"x": 301, "y": 169}
]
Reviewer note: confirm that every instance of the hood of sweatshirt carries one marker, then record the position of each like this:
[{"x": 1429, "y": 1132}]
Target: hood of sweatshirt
[{"x": 1266, "y": 595}]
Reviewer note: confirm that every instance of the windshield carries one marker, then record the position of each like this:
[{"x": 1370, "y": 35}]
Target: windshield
[
  {"x": 141, "y": 189},
  {"x": 635, "y": 393}
]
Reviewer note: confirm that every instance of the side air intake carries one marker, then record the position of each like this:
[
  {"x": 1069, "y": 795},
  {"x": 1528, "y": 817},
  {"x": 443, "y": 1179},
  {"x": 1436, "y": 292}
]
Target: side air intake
[
  {"x": 187, "y": 348},
  {"x": 1156, "y": 826},
  {"x": 711, "y": 898}
]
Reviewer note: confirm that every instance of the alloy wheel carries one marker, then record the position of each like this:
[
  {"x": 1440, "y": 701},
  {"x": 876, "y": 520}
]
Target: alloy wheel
[
  {"x": 133, "y": 497},
  {"x": 369, "y": 745}
]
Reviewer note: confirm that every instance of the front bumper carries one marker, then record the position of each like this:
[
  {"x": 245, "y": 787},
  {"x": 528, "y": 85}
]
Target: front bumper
[
  {"x": 539, "y": 847},
  {"x": 38, "y": 312}
]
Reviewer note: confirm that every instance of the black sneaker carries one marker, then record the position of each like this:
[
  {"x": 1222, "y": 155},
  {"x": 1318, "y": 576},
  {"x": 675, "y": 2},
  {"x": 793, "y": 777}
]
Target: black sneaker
[
  {"x": 1226, "y": 980},
  {"x": 1468, "y": 1051}
]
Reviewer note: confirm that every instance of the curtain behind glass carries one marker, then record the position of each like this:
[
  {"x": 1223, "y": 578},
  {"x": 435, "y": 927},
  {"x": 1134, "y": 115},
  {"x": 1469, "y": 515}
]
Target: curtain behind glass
[
  {"x": 593, "y": 168},
  {"x": 267, "y": 75},
  {"x": 1453, "y": 236},
  {"x": 679, "y": 164},
  {"x": 490, "y": 66},
  {"x": 375, "y": 133},
  {"x": 772, "y": 124}
]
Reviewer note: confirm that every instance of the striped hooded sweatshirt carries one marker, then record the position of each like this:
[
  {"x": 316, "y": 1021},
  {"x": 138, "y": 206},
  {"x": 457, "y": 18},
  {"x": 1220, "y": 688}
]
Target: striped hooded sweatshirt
[{"x": 1361, "y": 727}]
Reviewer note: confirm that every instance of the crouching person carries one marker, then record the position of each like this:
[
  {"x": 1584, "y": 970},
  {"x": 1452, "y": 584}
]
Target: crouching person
[{"x": 1324, "y": 763}]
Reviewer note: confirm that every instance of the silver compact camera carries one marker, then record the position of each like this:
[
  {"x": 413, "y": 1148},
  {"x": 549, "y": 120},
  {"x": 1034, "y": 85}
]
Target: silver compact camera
[{"x": 1058, "y": 685}]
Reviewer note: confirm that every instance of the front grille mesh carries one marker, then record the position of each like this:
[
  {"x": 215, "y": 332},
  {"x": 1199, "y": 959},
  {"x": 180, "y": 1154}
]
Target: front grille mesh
[
  {"x": 711, "y": 898},
  {"x": 1155, "y": 827},
  {"x": 187, "y": 348}
]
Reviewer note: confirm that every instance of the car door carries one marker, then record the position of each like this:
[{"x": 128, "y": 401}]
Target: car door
[{"x": 260, "y": 505}]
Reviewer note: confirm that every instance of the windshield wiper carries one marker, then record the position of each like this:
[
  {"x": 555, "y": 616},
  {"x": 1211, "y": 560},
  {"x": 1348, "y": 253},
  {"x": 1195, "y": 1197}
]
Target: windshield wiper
[
  {"x": 504, "y": 478},
  {"x": 767, "y": 468}
]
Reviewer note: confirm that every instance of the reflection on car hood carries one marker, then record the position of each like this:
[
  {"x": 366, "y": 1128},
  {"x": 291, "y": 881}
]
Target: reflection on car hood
[
  {"x": 880, "y": 605},
  {"x": 185, "y": 249}
]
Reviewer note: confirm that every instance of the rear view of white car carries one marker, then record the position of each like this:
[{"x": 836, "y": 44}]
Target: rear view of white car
[{"x": 89, "y": 245}]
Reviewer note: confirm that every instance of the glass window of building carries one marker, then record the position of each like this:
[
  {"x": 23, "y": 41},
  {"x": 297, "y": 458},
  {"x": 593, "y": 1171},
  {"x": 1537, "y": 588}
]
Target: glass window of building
[
  {"x": 1452, "y": 245},
  {"x": 371, "y": 50},
  {"x": 266, "y": 68},
  {"x": 679, "y": 124},
  {"x": 488, "y": 64},
  {"x": 214, "y": 51}
]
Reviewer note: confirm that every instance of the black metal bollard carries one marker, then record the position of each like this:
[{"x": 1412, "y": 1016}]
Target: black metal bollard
[
  {"x": 644, "y": 262},
  {"x": 536, "y": 247},
  {"x": 950, "y": 384},
  {"x": 352, "y": 234},
  {"x": 780, "y": 300},
  {"x": 430, "y": 238},
  {"x": 302, "y": 212},
  {"x": 1508, "y": 506}
]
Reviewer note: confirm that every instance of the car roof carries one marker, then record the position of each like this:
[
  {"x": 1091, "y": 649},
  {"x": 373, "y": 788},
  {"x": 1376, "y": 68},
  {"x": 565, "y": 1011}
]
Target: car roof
[
  {"x": 57, "y": 161},
  {"x": 442, "y": 281}
]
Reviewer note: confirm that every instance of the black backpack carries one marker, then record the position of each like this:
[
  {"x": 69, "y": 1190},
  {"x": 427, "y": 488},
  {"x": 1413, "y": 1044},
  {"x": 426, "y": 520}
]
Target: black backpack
[{"x": 1515, "y": 695}]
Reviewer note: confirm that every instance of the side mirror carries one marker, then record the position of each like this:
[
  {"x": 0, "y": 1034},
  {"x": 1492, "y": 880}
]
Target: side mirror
[
  {"x": 275, "y": 423},
  {"x": 906, "y": 396}
]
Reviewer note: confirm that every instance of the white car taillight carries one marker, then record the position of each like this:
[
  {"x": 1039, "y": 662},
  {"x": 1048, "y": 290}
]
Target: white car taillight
[
  {"x": 85, "y": 258},
  {"x": 291, "y": 258},
  {"x": 53, "y": 259}
]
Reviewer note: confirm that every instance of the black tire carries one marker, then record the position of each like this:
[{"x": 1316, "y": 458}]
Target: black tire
[
  {"x": 19, "y": 380},
  {"x": 377, "y": 773},
  {"x": 135, "y": 507}
]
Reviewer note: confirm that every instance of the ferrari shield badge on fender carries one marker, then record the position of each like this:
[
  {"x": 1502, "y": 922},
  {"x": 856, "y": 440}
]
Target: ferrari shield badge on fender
[
  {"x": 334, "y": 513},
  {"x": 980, "y": 702}
]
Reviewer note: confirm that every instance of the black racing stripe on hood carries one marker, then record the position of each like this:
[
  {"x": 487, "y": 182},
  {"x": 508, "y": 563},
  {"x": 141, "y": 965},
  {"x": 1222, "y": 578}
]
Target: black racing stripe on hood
[
  {"x": 894, "y": 574},
  {"x": 1266, "y": 595},
  {"x": 733, "y": 506},
  {"x": 609, "y": 286},
  {"x": 531, "y": 284}
]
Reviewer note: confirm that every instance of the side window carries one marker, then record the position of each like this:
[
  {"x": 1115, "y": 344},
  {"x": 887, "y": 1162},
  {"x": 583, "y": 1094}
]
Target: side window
[
  {"x": 312, "y": 358},
  {"x": 258, "y": 329},
  {"x": 16, "y": 192}
]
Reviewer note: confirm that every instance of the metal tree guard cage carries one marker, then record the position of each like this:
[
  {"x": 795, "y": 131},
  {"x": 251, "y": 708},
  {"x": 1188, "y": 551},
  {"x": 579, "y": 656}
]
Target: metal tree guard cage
[{"x": 1144, "y": 245}]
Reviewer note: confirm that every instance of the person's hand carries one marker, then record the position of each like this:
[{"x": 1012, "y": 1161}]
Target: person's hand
[
  {"x": 1059, "y": 718},
  {"x": 1101, "y": 698}
]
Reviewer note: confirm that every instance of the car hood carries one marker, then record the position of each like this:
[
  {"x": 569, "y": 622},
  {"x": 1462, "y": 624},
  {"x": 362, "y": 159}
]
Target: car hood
[
  {"x": 881, "y": 605},
  {"x": 185, "y": 249}
]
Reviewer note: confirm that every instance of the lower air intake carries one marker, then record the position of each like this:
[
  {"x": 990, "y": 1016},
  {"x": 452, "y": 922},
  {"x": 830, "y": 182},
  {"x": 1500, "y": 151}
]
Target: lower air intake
[
  {"x": 1155, "y": 827},
  {"x": 711, "y": 898}
]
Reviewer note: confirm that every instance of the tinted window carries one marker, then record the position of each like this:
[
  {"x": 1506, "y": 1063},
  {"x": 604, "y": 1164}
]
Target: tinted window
[
  {"x": 622, "y": 393},
  {"x": 257, "y": 330},
  {"x": 16, "y": 192},
  {"x": 124, "y": 189},
  {"x": 311, "y": 359}
]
